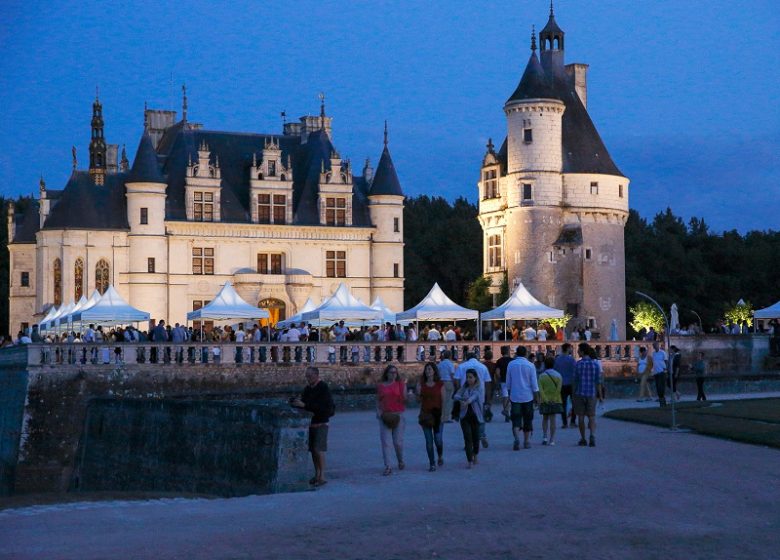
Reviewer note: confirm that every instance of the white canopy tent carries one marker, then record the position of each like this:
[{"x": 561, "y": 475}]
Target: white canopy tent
[
  {"x": 80, "y": 304},
  {"x": 110, "y": 309},
  {"x": 521, "y": 306},
  {"x": 227, "y": 304},
  {"x": 342, "y": 306},
  {"x": 771, "y": 312},
  {"x": 298, "y": 317},
  {"x": 55, "y": 321},
  {"x": 387, "y": 315},
  {"x": 436, "y": 306},
  {"x": 75, "y": 314},
  {"x": 53, "y": 310}
]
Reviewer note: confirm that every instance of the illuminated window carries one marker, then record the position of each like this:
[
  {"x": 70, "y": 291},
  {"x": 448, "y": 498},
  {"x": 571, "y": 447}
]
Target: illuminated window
[
  {"x": 335, "y": 211},
  {"x": 78, "y": 279},
  {"x": 202, "y": 260},
  {"x": 336, "y": 264},
  {"x": 494, "y": 251},
  {"x": 102, "y": 276},
  {"x": 203, "y": 207},
  {"x": 57, "y": 275}
]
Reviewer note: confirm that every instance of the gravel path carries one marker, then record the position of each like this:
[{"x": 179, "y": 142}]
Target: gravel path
[{"x": 642, "y": 493}]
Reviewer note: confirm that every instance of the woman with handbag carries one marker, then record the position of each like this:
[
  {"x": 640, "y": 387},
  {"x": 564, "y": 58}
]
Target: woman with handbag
[
  {"x": 390, "y": 406},
  {"x": 551, "y": 405},
  {"x": 471, "y": 397},
  {"x": 430, "y": 392}
]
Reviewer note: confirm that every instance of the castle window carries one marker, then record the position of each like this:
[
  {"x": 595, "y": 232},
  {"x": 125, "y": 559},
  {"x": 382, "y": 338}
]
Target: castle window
[
  {"x": 396, "y": 270},
  {"x": 591, "y": 322},
  {"x": 550, "y": 257},
  {"x": 78, "y": 279},
  {"x": 528, "y": 135},
  {"x": 57, "y": 275},
  {"x": 588, "y": 254},
  {"x": 272, "y": 168},
  {"x": 196, "y": 325},
  {"x": 269, "y": 263},
  {"x": 528, "y": 193},
  {"x": 494, "y": 251},
  {"x": 264, "y": 208},
  {"x": 491, "y": 184},
  {"x": 594, "y": 188},
  {"x": 335, "y": 212},
  {"x": 102, "y": 276},
  {"x": 203, "y": 209},
  {"x": 620, "y": 191},
  {"x": 396, "y": 225},
  {"x": 280, "y": 209},
  {"x": 144, "y": 216},
  {"x": 25, "y": 280},
  {"x": 202, "y": 260},
  {"x": 336, "y": 264},
  {"x": 150, "y": 265}
]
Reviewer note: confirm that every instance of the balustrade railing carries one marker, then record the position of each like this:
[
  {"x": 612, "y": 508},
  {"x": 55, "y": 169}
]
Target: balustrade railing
[{"x": 289, "y": 353}]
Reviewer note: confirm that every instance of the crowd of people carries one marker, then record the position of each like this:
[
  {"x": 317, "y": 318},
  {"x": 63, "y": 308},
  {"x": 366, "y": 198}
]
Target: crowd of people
[{"x": 464, "y": 395}]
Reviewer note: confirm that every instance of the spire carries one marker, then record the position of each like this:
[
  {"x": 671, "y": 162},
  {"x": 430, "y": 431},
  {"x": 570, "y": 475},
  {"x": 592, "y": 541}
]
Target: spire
[
  {"x": 42, "y": 185},
  {"x": 145, "y": 167},
  {"x": 533, "y": 39},
  {"x": 73, "y": 155},
  {"x": 552, "y": 10},
  {"x": 124, "y": 165},
  {"x": 322, "y": 111},
  {"x": 97, "y": 144},
  {"x": 184, "y": 103},
  {"x": 385, "y": 181},
  {"x": 385, "y": 133}
]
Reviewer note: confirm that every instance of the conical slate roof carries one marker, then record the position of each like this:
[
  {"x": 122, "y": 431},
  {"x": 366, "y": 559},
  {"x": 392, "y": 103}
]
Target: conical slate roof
[
  {"x": 385, "y": 179},
  {"x": 534, "y": 84},
  {"x": 145, "y": 167}
]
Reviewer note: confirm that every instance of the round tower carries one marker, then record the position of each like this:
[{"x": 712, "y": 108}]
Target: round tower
[
  {"x": 148, "y": 254},
  {"x": 386, "y": 207}
]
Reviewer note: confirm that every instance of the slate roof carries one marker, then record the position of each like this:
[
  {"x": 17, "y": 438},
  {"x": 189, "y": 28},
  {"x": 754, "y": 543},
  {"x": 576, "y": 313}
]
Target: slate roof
[
  {"x": 534, "y": 84},
  {"x": 27, "y": 223},
  {"x": 386, "y": 179},
  {"x": 146, "y": 168},
  {"x": 84, "y": 205}
]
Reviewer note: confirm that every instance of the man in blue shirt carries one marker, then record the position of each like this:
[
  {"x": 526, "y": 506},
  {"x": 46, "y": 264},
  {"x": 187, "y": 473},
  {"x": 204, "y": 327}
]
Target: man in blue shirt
[
  {"x": 446, "y": 373},
  {"x": 587, "y": 384},
  {"x": 564, "y": 364}
]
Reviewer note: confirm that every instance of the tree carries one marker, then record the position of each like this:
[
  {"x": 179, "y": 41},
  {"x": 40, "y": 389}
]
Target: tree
[
  {"x": 479, "y": 296},
  {"x": 646, "y": 315},
  {"x": 740, "y": 312},
  {"x": 558, "y": 322},
  {"x": 504, "y": 293}
]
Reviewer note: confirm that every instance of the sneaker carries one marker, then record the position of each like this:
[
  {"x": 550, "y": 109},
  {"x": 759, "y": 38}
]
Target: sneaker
[
  {"x": 432, "y": 468},
  {"x": 526, "y": 445},
  {"x": 582, "y": 443},
  {"x": 592, "y": 441},
  {"x": 516, "y": 446},
  {"x": 551, "y": 443},
  {"x": 544, "y": 441}
]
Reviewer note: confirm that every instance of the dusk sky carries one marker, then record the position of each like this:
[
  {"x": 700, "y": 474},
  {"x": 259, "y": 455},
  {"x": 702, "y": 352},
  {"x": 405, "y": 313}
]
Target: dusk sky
[{"x": 683, "y": 92}]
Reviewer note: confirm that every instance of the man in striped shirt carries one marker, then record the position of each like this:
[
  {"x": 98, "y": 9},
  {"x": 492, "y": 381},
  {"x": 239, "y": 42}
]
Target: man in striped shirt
[{"x": 587, "y": 382}]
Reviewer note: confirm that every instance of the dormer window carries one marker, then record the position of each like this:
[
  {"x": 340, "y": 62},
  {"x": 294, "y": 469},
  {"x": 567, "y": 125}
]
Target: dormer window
[
  {"x": 491, "y": 184},
  {"x": 335, "y": 211},
  {"x": 203, "y": 206},
  {"x": 271, "y": 206},
  {"x": 272, "y": 168}
]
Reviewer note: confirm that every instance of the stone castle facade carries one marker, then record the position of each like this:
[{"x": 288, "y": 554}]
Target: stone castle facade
[
  {"x": 552, "y": 203},
  {"x": 281, "y": 216}
]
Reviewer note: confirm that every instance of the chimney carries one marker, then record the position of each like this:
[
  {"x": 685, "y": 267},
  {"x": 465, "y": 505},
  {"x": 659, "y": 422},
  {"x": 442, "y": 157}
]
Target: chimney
[{"x": 577, "y": 74}]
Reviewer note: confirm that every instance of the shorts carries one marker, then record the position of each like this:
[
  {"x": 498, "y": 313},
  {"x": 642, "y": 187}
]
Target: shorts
[
  {"x": 504, "y": 390},
  {"x": 318, "y": 438},
  {"x": 522, "y": 416},
  {"x": 551, "y": 408},
  {"x": 583, "y": 406}
]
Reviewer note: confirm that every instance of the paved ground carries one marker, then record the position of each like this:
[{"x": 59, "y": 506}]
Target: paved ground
[{"x": 642, "y": 493}]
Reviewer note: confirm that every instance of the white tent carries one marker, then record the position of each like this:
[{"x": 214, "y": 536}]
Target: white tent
[
  {"x": 227, "y": 304},
  {"x": 111, "y": 308},
  {"x": 436, "y": 306},
  {"x": 53, "y": 310},
  {"x": 342, "y": 306},
  {"x": 78, "y": 307},
  {"x": 771, "y": 312},
  {"x": 387, "y": 315},
  {"x": 298, "y": 317},
  {"x": 75, "y": 315},
  {"x": 60, "y": 316},
  {"x": 521, "y": 305}
]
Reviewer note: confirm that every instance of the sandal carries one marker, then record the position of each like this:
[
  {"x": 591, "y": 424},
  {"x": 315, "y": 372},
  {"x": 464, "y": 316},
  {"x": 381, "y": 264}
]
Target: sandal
[
  {"x": 313, "y": 480},
  {"x": 388, "y": 471},
  {"x": 321, "y": 483}
]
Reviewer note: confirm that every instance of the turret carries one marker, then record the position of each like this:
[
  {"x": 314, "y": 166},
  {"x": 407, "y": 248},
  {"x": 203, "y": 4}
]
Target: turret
[
  {"x": 551, "y": 42},
  {"x": 97, "y": 145}
]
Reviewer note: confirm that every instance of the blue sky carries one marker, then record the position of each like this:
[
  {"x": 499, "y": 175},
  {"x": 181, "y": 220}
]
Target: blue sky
[{"x": 683, "y": 92}]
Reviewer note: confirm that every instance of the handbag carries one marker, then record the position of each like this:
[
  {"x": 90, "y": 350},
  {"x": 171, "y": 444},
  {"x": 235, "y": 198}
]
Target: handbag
[
  {"x": 391, "y": 419},
  {"x": 426, "y": 419}
]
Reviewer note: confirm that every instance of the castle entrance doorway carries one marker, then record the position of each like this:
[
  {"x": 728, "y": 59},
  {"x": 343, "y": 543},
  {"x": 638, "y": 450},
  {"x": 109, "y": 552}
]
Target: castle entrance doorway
[{"x": 276, "y": 308}]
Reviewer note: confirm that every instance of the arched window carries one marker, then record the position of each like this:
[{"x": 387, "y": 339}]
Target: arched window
[
  {"x": 57, "y": 282},
  {"x": 102, "y": 275},
  {"x": 78, "y": 279}
]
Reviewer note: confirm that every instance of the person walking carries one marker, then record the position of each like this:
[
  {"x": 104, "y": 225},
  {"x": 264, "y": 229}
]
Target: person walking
[
  {"x": 471, "y": 398},
  {"x": 483, "y": 376},
  {"x": 430, "y": 391},
  {"x": 501, "y": 365},
  {"x": 644, "y": 368},
  {"x": 700, "y": 371},
  {"x": 491, "y": 367},
  {"x": 564, "y": 365},
  {"x": 674, "y": 377},
  {"x": 316, "y": 398},
  {"x": 550, "y": 383},
  {"x": 587, "y": 387},
  {"x": 523, "y": 388},
  {"x": 390, "y": 407},
  {"x": 446, "y": 373},
  {"x": 659, "y": 373}
]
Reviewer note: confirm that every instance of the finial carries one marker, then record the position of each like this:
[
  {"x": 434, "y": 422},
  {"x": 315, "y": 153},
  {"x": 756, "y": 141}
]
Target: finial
[
  {"x": 123, "y": 163},
  {"x": 284, "y": 117},
  {"x": 254, "y": 159},
  {"x": 42, "y": 183},
  {"x": 184, "y": 103},
  {"x": 552, "y": 12},
  {"x": 490, "y": 145},
  {"x": 385, "y": 133},
  {"x": 73, "y": 153},
  {"x": 97, "y": 93},
  {"x": 533, "y": 38},
  {"x": 322, "y": 110}
]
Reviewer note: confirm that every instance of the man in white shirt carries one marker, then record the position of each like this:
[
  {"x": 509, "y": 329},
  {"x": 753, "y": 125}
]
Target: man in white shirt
[
  {"x": 450, "y": 335},
  {"x": 541, "y": 333},
  {"x": 482, "y": 374},
  {"x": 659, "y": 373},
  {"x": 412, "y": 335},
  {"x": 433, "y": 334},
  {"x": 293, "y": 335},
  {"x": 240, "y": 334},
  {"x": 588, "y": 334},
  {"x": 529, "y": 333},
  {"x": 304, "y": 331},
  {"x": 523, "y": 390}
]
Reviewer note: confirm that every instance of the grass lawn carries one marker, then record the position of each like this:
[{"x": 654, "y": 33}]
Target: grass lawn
[{"x": 750, "y": 420}]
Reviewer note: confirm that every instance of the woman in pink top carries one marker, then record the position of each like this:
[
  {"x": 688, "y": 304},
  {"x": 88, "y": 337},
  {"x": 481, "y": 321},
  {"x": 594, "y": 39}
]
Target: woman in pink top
[{"x": 390, "y": 406}]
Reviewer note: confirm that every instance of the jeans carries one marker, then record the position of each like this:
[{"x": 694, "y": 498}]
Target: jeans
[
  {"x": 434, "y": 435},
  {"x": 660, "y": 387},
  {"x": 392, "y": 439},
  {"x": 449, "y": 390},
  {"x": 700, "y": 396},
  {"x": 470, "y": 426}
]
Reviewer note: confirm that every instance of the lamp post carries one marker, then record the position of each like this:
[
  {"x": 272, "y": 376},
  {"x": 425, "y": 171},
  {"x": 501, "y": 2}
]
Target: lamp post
[
  {"x": 668, "y": 355},
  {"x": 701, "y": 326}
]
